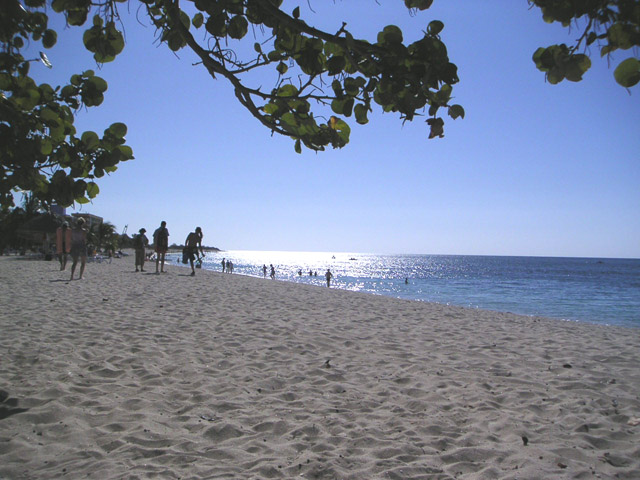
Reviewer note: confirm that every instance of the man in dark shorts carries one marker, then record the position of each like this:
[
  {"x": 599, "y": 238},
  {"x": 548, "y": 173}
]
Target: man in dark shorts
[
  {"x": 161, "y": 242},
  {"x": 193, "y": 241}
]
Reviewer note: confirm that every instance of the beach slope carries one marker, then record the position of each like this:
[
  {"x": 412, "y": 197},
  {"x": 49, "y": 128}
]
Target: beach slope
[{"x": 138, "y": 375}]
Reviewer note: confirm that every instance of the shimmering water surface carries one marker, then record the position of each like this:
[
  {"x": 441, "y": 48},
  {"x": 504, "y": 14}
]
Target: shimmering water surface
[{"x": 605, "y": 291}]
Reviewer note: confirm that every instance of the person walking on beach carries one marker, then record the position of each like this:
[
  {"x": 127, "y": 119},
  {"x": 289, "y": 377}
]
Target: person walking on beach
[
  {"x": 193, "y": 241},
  {"x": 78, "y": 247},
  {"x": 223, "y": 265},
  {"x": 63, "y": 243},
  {"x": 264, "y": 270},
  {"x": 161, "y": 242},
  {"x": 140, "y": 242},
  {"x": 273, "y": 272},
  {"x": 328, "y": 276}
]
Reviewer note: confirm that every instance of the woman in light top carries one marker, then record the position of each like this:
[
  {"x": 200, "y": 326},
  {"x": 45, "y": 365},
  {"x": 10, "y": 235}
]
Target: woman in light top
[{"x": 79, "y": 247}]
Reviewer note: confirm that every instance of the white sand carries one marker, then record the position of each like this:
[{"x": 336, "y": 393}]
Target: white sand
[{"x": 131, "y": 375}]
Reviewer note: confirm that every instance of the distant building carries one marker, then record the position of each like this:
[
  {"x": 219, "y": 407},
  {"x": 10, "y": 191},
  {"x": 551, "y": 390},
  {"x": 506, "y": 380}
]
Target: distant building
[
  {"x": 58, "y": 210},
  {"x": 90, "y": 219}
]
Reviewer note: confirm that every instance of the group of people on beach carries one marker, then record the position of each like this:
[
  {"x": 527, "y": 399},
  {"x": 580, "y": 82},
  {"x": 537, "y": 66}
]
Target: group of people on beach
[
  {"x": 227, "y": 266},
  {"x": 193, "y": 243},
  {"x": 327, "y": 275},
  {"x": 73, "y": 241}
]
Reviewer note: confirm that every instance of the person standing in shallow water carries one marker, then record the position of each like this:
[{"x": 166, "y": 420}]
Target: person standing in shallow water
[
  {"x": 161, "y": 242},
  {"x": 78, "y": 247},
  {"x": 328, "y": 276},
  {"x": 193, "y": 241}
]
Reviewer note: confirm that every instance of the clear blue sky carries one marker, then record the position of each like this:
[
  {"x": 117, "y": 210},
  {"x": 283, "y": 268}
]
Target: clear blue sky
[{"x": 533, "y": 169}]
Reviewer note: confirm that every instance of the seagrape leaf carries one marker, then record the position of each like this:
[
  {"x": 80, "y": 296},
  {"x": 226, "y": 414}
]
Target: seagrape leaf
[
  {"x": 118, "y": 130},
  {"x": 435, "y": 27},
  {"x": 92, "y": 189},
  {"x": 46, "y": 147},
  {"x": 287, "y": 91},
  {"x": 198, "y": 20},
  {"x": 270, "y": 108},
  {"x": 390, "y": 34},
  {"x": 126, "y": 152},
  {"x": 238, "y": 27},
  {"x": 98, "y": 83},
  {"x": 627, "y": 73},
  {"x": 419, "y": 4},
  {"x": 576, "y": 67},
  {"x": 361, "y": 114},
  {"x": 456, "y": 111},
  {"x": 90, "y": 140},
  {"x": 49, "y": 38}
]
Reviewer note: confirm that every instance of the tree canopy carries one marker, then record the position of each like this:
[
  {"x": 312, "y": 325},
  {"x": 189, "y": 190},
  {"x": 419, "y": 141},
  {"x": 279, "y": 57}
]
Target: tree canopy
[{"x": 321, "y": 81}]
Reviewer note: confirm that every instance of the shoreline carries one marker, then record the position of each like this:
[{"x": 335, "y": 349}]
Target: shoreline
[{"x": 221, "y": 376}]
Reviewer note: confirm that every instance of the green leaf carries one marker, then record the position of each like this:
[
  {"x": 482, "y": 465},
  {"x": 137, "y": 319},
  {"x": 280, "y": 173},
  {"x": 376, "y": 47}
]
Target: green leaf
[
  {"x": 287, "y": 91},
  {"x": 348, "y": 107},
  {"x": 456, "y": 111},
  {"x": 82, "y": 200},
  {"x": 336, "y": 64},
  {"x": 238, "y": 27},
  {"x": 118, "y": 129},
  {"x": 298, "y": 147},
  {"x": 296, "y": 13},
  {"x": 98, "y": 83},
  {"x": 282, "y": 68},
  {"x": 337, "y": 105},
  {"x": 46, "y": 147},
  {"x": 217, "y": 25},
  {"x": 289, "y": 119},
  {"x": 390, "y": 35},
  {"x": 619, "y": 36},
  {"x": 419, "y": 4},
  {"x": 49, "y": 38},
  {"x": 627, "y": 73},
  {"x": 435, "y": 27},
  {"x": 198, "y": 20},
  {"x": 92, "y": 189},
  {"x": 270, "y": 108},
  {"x": 361, "y": 112},
  {"x": 576, "y": 67},
  {"x": 90, "y": 140},
  {"x": 126, "y": 152}
]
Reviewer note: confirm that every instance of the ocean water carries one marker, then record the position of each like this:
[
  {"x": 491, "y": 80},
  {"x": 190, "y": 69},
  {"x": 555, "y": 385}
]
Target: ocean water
[{"x": 603, "y": 291}]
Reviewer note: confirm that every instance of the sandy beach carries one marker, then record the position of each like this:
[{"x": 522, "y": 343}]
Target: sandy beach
[{"x": 126, "y": 375}]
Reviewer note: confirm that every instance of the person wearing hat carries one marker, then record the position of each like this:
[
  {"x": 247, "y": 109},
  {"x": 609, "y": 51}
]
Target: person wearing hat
[
  {"x": 140, "y": 242},
  {"x": 63, "y": 243}
]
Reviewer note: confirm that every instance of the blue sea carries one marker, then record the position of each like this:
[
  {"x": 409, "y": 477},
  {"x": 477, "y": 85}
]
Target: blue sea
[{"x": 603, "y": 291}]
